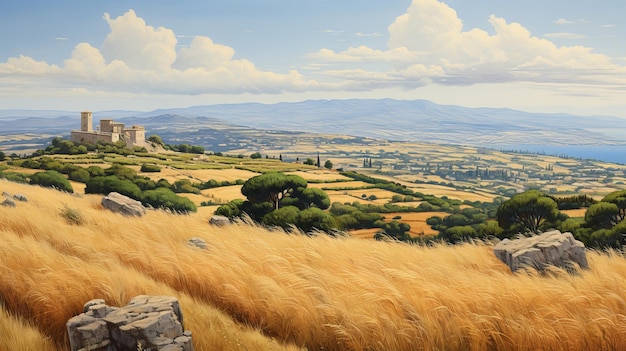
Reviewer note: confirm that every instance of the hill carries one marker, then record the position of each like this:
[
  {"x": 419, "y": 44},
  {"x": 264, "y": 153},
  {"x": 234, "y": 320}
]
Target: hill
[
  {"x": 264, "y": 290},
  {"x": 220, "y": 127}
]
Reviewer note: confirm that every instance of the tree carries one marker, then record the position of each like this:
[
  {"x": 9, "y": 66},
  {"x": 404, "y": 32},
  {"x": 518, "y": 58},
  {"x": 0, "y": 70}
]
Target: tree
[
  {"x": 309, "y": 161},
  {"x": 314, "y": 218},
  {"x": 156, "y": 139},
  {"x": 283, "y": 217},
  {"x": 328, "y": 164},
  {"x": 51, "y": 179},
  {"x": 2, "y": 156},
  {"x": 619, "y": 199},
  {"x": 255, "y": 155},
  {"x": 603, "y": 215},
  {"x": 271, "y": 187},
  {"x": 528, "y": 212},
  {"x": 312, "y": 197}
]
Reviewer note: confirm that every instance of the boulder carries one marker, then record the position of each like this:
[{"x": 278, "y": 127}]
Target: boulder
[
  {"x": 219, "y": 220},
  {"x": 20, "y": 197},
  {"x": 539, "y": 251},
  {"x": 149, "y": 323},
  {"x": 8, "y": 202},
  {"x": 119, "y": 203},
  {"x": 197, "y": 242}
]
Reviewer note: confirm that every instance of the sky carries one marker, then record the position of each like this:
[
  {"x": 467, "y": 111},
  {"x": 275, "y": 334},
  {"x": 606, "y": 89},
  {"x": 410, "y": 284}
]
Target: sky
[{"x": 540, "y": 56}]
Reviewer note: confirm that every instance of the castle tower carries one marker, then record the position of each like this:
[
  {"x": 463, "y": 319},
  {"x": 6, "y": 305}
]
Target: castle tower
[{"x": 85, "y": 121}]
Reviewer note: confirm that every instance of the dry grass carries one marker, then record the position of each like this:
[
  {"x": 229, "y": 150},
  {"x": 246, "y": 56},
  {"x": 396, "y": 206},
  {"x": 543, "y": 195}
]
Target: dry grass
[{"x": 259, "y": 290}]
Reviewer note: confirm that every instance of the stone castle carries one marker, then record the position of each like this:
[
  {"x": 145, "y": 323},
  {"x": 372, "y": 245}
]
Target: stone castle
[{"x": 108, "y": 132}]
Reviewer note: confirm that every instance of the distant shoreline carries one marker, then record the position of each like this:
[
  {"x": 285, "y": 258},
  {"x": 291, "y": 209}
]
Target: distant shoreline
[{"x": 607, "y": 153}]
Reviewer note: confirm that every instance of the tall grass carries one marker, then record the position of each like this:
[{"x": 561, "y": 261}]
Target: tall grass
[{"x": 258, "y": 290}]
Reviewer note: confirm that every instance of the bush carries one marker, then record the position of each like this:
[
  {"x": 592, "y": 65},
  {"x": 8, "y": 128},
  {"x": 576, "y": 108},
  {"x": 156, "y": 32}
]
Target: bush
[
  {"x": 80, "y": 175},
  {"x": 51, "y": 179},
  {"x": 255, "y": 155},
  {"x": 150, "y": 168},
  {"x": 105, "y": 185},
  {"x": 167, "y": 199}
]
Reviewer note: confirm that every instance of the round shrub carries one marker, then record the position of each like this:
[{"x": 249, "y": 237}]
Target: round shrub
[{"x": 51, "y": 179}]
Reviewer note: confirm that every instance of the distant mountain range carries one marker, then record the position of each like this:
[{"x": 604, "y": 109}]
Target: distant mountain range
[{"x": 415, "y": 120}]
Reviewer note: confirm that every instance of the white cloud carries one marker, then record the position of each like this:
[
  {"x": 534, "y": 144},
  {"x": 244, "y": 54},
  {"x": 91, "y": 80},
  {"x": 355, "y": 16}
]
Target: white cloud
[
  {"x": 430, "y": 36},
  {"x": 139, "y": 58},
  {"x": 562, "y": 21},
  {"x": 565, "y": 35},
  {"x": 61, "y": 38},
  {"x": 375, "y": 34}
]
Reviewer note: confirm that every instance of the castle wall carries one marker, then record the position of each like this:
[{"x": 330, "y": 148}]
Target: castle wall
[
  {"x": 106, "y": 125},
  {"x": 81, "y": 137},
  {"x": 110, "y": 132},
  {"x": 136, "y": 136}
]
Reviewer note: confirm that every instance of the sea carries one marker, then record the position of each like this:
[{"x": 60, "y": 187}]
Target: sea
[{"x": 607, "y": 153}]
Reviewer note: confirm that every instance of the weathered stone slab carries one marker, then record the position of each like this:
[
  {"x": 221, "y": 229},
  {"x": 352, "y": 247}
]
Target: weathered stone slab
[
  {"x": 20, "y": 197},
  {"x": 8, "y": 202},
  {"x": 154, "y": 322},
  {"x": 197, "y": 242},
  {"x": 119, "y": 203},
  {"x": 550, "y": 248},
  {"x": 219, "y": 220}
]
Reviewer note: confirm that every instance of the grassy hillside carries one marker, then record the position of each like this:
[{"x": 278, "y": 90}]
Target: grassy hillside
[{"x": 254, "y": 289}]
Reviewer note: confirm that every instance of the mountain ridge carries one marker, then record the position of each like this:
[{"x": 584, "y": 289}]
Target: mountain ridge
[{"x": 405, "y": 120}]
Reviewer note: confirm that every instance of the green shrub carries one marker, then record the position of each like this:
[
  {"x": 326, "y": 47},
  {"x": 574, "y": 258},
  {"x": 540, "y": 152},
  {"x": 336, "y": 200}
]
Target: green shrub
[
  {"x": 150, "y": 168},
  {"x": 51, "y": 179},
  {"x": 105, "y": 185},
  {"x": 167, "y": 199},
  {"x": 80, "y": 175}
]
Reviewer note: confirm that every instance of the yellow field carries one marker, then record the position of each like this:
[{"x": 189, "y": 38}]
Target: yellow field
[
  {"x": 320, "y": 175},
  {"x": 335, "y": 185},
  {"x": 417, "y": 221},
  {"x": 199, "y": 175},
  {"x": 226, "y": 193},
  {"x": 575, "y": 213},
  {"x": 255, "y": 289}
]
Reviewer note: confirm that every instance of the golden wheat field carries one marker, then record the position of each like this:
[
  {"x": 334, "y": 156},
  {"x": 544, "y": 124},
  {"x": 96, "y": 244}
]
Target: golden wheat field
[{"x": 255, "y": 289}]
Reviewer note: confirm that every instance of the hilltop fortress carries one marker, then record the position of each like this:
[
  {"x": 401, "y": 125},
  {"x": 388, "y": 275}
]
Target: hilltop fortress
[{"x": 108, "y": 132}]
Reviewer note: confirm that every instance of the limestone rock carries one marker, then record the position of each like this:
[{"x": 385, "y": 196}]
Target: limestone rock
[
  {"x": 8, "y": 202},
  {"x": 152, "y": 323},
  {"x": 20, "y": 197},
  {"x": 197, "y": 242},
  {"x": 550, "y": 248},
  {"x": 119, "y": 203},
  {"x": 219, "y": 220}
]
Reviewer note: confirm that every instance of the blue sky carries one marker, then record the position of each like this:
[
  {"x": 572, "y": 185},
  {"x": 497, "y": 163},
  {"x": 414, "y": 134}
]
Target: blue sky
[{"x": 557, "y": 56}]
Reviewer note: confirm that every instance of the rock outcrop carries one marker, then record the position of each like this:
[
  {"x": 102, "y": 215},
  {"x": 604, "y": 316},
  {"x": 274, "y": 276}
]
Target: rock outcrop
[
  {"x": 8, "y": 202},
  {"x": 197, "y": 242},
  {"x": 20, "y": 197},
  {"x": 147, "y": 323},
  {"x": 119, "y": 203},
  {"x": 219, "y": 220},
  {"x": 550, "y": 248}
]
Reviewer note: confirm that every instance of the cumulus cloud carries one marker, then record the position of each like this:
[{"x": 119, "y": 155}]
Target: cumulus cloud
[
  {"x": 137, "y": 57},
  {"x": 430, "y": 36}
]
